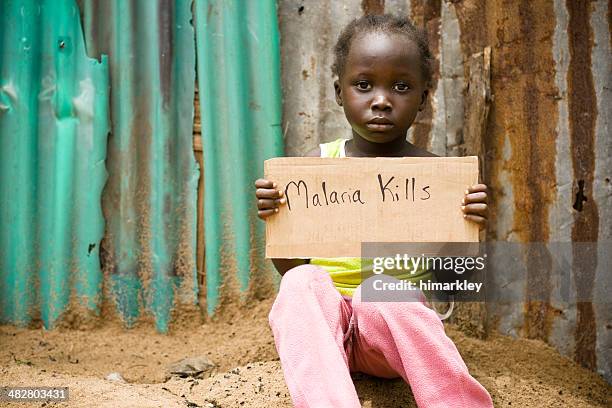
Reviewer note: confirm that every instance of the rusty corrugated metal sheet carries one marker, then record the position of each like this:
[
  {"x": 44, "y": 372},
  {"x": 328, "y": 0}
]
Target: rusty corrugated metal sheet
[
  {"x": 547, "y": 144},
  {"x": 541, "y": 143},
  {"x": 150, "y": 199},
  {"x": 240, "y": 102},
  {"x": 53, "y": 134}
]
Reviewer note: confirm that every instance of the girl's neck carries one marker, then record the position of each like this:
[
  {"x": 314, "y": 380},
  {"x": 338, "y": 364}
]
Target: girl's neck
[{"x": 359, "y": 147}]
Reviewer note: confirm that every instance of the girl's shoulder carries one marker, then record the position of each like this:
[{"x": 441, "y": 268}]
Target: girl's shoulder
[{"x": 330, "y": 149}]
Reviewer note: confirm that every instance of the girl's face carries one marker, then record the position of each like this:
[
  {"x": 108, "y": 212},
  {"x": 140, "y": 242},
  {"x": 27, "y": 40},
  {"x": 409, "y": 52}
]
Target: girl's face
[{"x": 382, "y": 87}]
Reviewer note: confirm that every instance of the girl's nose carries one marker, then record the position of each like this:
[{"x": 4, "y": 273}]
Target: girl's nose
[{"x": 381, "y": 103}]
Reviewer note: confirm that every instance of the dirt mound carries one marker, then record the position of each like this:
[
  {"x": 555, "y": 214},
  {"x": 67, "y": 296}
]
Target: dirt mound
[
  {"x": 85, "y": 391},
  {"x": 523, "y": 373}
]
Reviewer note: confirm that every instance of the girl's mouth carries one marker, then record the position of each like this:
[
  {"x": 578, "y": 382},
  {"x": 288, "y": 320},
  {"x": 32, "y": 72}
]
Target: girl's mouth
[{"x": 379, "y": 127}]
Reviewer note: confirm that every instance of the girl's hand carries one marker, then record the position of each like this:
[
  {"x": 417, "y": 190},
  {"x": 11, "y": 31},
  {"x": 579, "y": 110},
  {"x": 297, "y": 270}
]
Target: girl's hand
[
  {"x": 268, "y": 198},
  {"x": 474, "y": 204}
]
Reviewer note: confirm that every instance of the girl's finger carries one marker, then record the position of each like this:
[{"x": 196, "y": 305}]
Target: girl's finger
[
  {"x": 263, "y": 214},
  {"x": 476, "y": 218},
  {"x": 264, "y": 204},
  {"x": 263, "y": 183},
  {"x": 477, "y": 209},
  {"x": 267, "y": 203},
  {"x": 477, "y": 188},
  {"x": 268, "y": 193},
  {"x": 480, "y": 197}
]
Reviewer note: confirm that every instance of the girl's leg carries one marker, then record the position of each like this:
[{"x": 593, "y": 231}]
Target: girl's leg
[
  {"x": 407, "y": 338},
  {"x": 309, "y": 318}
]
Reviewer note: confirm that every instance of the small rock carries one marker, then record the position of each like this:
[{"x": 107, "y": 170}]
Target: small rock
[
  {"x": 115, "y": 377},
  {"x": 197, "y": 367}
]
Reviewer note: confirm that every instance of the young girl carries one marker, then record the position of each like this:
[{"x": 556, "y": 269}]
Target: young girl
[{"x": 322, "y": 329}]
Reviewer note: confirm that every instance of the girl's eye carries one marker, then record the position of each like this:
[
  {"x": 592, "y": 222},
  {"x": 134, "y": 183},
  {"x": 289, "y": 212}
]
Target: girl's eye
[
  {"x": 362, "y": 85},
  {"x": 401, "y": 87}
]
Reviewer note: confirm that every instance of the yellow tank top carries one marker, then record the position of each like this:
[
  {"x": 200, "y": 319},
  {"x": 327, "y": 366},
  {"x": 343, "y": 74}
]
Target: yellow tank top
[{"x": 346, "y": 272}]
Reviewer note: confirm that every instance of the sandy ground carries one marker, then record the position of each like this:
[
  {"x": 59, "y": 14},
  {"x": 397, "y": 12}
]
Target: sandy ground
[{"x": 520, "y": 373}]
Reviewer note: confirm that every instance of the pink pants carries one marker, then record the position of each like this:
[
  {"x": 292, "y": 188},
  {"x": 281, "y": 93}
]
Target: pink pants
[{"x": 321, "y": 337}]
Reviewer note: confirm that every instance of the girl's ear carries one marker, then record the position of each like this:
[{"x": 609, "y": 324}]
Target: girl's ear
[
  {"x": 338, "y": 92},
  {"x": 423, "y": 99}
]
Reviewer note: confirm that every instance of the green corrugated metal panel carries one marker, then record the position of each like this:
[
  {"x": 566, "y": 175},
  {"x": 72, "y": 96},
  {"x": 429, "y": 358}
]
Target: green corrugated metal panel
[
  {"x": 53, "y": 134},
  {"x": 150, "y": 199},
  {"x": 239, "y": 82},
  {"x": 54, "y": 122}
]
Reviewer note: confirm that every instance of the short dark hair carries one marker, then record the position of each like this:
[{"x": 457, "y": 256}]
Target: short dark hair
[{"x": 385, "y": 23}]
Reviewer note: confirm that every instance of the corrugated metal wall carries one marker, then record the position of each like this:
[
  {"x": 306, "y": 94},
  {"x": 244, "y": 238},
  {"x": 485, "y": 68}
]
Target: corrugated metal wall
[
  {"x": 58, "y": 106},
  {"x": 240, "y": 101},
  {"x": 53, "y": 126},
  {"x": 148, "y": 252},
  {"x": 546, "y": 145},
  {"x": 52, "y": 253}
]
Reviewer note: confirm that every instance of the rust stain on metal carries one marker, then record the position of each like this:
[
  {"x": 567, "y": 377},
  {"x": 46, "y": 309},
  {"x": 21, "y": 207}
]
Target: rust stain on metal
[
  {"x": 427, "y": 15},
  {"x": 474, "y": 43},
  {"x": 525, "y": 114},
  {"x": 582, "y": 105},
  {"x": 142, "y": 132},
  {"x": 477, "y": 105},
  {"x": 373, "y": 6},
  {"x": 473, "y": 21},
  {"x": 538, "y": 160}
]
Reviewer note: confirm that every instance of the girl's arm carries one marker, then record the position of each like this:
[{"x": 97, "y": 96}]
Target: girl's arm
[
  {"x": 269, "y": 198},
  {"x": 268, "y": 201}
]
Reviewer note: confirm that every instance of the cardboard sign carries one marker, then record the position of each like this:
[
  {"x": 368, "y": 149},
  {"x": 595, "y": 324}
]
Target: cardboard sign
[{"x": 333, "y": 205}]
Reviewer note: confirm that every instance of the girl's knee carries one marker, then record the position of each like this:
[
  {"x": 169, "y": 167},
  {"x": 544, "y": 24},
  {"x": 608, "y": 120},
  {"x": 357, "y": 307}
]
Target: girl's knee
[
  {"x": 296, "y": 284},
  {"x": 299, "y": 278}
]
